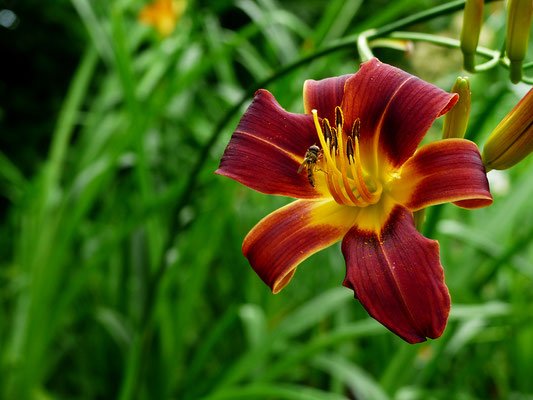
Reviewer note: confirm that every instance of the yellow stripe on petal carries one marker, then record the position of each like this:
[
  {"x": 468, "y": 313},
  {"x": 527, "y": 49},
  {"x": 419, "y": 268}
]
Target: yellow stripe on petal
[
  {"x": 285, "y": 238},
  {"x": 448, "y": 170}
]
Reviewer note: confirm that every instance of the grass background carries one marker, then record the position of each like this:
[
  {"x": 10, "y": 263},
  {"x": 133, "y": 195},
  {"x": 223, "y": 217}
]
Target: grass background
[{"x": 121, "y": 274}]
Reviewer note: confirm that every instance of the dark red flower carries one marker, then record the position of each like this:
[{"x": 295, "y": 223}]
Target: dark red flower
[{"x": 352, "y": 161}]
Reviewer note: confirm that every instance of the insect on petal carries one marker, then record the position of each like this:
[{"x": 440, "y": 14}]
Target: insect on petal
[{"x": 267, "y": 148}]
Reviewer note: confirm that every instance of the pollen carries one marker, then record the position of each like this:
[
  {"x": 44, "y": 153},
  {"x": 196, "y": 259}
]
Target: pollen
[{"x": 346, "y": 178}]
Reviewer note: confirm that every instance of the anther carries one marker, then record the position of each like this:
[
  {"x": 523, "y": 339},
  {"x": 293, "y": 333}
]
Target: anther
[
  {"x": 334, "y": 143},
  {"x": 327, "y": 130},
  {"x": 349, "y": 150},
  {"x": 339, "y": 118},
  {"x": 356, "y": 128}
]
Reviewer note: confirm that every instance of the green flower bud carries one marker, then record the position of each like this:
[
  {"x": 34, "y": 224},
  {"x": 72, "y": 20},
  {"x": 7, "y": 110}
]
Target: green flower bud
[
  {"x": 512, "y": 140},
  {"x": 519, "y": 14},
  {"x": 472, "y": 22},
  {"x": 456, "y": 120}
]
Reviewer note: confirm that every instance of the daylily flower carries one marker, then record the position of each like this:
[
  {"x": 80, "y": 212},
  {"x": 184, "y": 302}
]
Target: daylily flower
[
  {"x": 163, "y": 15},
  {"x": 365, "y": 181}
]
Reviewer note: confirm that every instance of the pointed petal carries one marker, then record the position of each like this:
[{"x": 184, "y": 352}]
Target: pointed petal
[
  {"x": 448, "y": 170},
  {"x": 283, "y": 239},
  {"x": 267, "y": 148},
  {"x": 395, "y": 105},
  {"x": 398, "y": 278},
  {"x": 324, "y": 96}
]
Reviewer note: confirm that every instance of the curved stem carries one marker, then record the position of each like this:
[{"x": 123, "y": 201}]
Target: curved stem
[
  {"x": 443, "y": 41},
  {"x": 365, "y": 53},
  {"x": 494, "y": 56},
  {"x": 527, "y": 65},
  {"x": 423, "y": 16}
]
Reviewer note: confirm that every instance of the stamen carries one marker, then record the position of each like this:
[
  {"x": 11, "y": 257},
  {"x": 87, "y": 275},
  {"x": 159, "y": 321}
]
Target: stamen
[
  {"x": 359, "y": 179},
  {"x": 338, "y": 190},
  {"x": 339, "y": 118},
  {"x": 335, "y": 143},
  {"x": 349, "y": 149},
  {"x": 323, "y": 144},
  {"x": 356, "y": 128},
  {"x": 329, "y": 180},
  {"x": 330, "y": 134},
  {"x": 339, "y": 182},
  {"x": 327, "y": 130},
  {"x": 344, "y": 175}
]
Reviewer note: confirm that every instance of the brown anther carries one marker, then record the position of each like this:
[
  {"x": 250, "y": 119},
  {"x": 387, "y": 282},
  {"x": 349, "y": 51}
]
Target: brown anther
[
  {"x": 356, "y": 128},
  {"x": 349, "y": 150},
  {"x": 334, "y": 142},
  {"x": 339, "y": 118},
  {"x": 327, "y": 130}
]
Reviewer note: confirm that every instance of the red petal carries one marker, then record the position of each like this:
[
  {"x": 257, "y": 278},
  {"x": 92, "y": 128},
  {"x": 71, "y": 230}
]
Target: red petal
[
  {"x": 397, "y": 277},
  {"x": 444, "y": 171},
  {"x": 395, "y": 105},
  {"x": 324, "y": 96},
  {"x": 267, "y": 120},
  {"x": 283, "y": 239},
  {"x": 267, "y": 169},
  {"x": 267, "y": 148}
]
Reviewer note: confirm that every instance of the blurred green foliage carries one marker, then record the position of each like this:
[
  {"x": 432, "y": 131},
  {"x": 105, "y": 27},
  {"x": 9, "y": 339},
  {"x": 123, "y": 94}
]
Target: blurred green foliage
[{"x": 121, "y": 272}]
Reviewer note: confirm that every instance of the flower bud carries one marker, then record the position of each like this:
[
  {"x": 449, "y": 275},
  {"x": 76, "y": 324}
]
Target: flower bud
[
  {"x": 456, "y": 120},
  {"x": 472, "y": 22},
  {"x": 519, "y": 14},
  {"x": 512, "y": 140}
]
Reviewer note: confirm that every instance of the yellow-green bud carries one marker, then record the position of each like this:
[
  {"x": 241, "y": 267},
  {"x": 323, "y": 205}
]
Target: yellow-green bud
[
  {"x": 472, "y": 22},
  {"x": 519, "y": 14},
  {"x": 456, "y": 120},
  {"x": 512, "y": 140}
]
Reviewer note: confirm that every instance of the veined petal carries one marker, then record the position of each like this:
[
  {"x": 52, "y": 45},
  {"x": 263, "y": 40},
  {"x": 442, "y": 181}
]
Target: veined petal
[
  {"x": 397, "y": 276},
  {"x": 367, "y": 95},
  {"x": 324, "y": 96},
  {"x": 267, "y": 148},
  {"x": 268, "y": 169},
  {"x": 448, "y": 170},
  {"x": 283, "y": 239},
  {"x": 267, "y": 120},
  {"x": 411, "y": 112},
  {"x": 393, "y": 105}
]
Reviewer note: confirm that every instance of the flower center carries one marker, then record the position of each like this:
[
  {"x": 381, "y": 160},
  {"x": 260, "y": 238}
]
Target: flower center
[{"x": 348, "y": 182}]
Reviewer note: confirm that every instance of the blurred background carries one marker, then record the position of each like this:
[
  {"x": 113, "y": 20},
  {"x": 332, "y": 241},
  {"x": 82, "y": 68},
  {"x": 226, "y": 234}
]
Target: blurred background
[{"x": 121, "y": 272}]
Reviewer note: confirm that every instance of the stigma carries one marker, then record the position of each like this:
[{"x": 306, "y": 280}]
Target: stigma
[{"x": 347, "y": 181}]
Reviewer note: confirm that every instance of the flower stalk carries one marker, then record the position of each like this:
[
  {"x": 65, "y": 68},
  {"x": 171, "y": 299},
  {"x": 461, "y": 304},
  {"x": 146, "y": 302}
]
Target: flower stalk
[
  {"x": 472, "y": 22},
  {"x": 519, "y": 13}
]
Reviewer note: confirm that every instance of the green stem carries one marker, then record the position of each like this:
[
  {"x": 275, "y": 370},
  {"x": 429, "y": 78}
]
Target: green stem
[
  {"x": 423, "y": 16},
  {"x": 365, "y": 53},
  {"x": 443, "y": 41}
]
